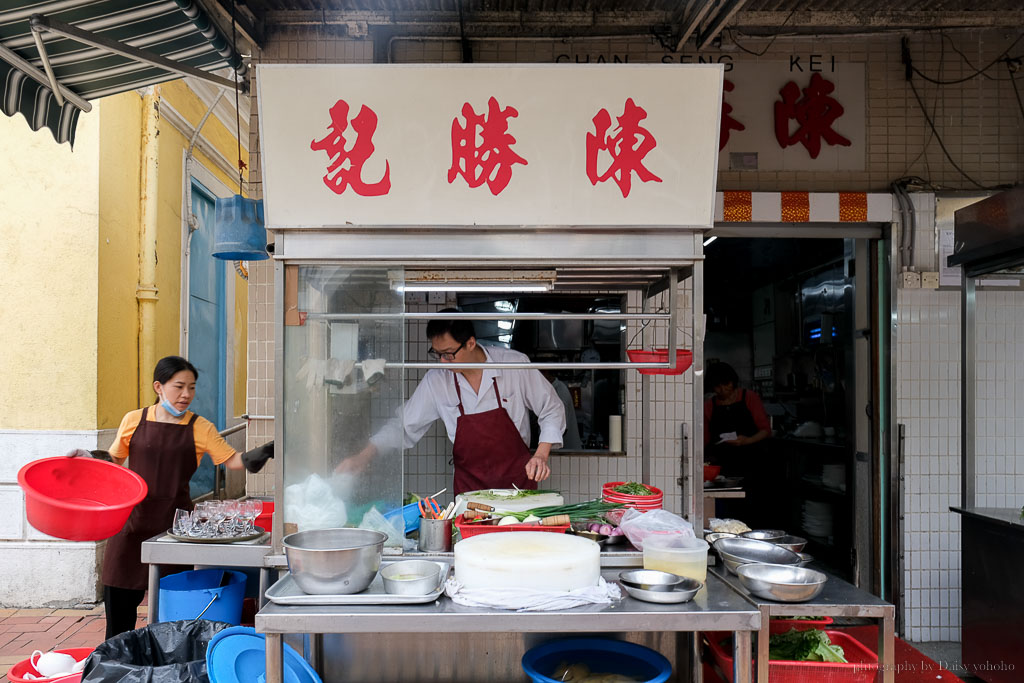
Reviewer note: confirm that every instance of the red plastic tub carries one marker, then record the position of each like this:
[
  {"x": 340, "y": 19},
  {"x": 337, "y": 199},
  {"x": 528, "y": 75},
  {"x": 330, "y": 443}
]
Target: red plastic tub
[
  {"x": 862, "y": 666},
  {"x": 651, "y": 502},
  {"x": 79, "y": 499},
  {"x": 467, "y": 530},
  {"x": 684, "y": 359},
  {"x": 18, "y": 671}
]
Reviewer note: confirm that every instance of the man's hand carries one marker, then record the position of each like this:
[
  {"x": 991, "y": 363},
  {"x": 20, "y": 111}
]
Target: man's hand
[
  {"x": 537, "y": 467},
  {"x": 738, "y": 441}
]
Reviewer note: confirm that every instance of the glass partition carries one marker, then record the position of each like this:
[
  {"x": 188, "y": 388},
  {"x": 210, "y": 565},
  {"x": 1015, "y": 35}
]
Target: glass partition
[{"x": 341, "y": 326}]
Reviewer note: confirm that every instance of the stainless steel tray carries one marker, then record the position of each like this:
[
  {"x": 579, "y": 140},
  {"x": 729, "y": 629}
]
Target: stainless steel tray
[{"x": 287, "y": 592}]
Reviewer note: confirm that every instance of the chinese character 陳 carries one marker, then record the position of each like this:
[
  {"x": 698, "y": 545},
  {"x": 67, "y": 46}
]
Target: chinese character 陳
[
  {"x": 627, "y": 147},
  {"x": 489, "y": 161},
  {"x": 340, "y": 175},
  {"x": 814, "y": 113}
]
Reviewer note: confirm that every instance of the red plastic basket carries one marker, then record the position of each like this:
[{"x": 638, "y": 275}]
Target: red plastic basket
[
  {"x": 684, "y": 359},
  {"x": 862, "y": 666},
  {"x": 18, "y": 671},
  {"x": 777, "y": 626},
  {"x": 467, "y": 530},
  {"x": 79, "y": 499}
]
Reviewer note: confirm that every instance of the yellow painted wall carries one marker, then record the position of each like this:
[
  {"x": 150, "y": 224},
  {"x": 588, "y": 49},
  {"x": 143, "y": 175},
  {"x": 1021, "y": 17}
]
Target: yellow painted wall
[
  {"x": 48, "y": 293},
  {"x": 118, "y": 249}
]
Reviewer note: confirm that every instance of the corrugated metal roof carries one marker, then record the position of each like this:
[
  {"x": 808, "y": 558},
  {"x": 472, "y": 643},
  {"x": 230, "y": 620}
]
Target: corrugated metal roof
[{"x": 261, "y": 7}]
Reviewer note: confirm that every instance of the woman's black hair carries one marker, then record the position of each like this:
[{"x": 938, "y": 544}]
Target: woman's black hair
[
  {"x": 719, "y": 375},
  {"x": 168, "y": 367},
  {"x": 460, "y": 329}
]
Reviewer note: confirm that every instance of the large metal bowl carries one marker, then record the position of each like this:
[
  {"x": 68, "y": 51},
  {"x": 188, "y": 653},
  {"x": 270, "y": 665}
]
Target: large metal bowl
[
  {"x": 334, "y": 561},
  {"x": 794, "y": 543},
  {"x": 731, "y": 562},
  {"x": 770, "y": 535},
  {"x": 805, "y": 559},
  {"x": 782, "y": 583},
  {"x": 749, "y": 550}
]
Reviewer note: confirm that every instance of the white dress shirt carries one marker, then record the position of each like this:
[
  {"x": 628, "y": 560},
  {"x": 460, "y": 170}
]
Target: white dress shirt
[{"x": 435, "y": 397}]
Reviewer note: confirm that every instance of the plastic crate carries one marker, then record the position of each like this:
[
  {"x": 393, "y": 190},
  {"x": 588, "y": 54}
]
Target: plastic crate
[
  {"x": 684, "y": 359},
  {"x": 862, "y": 666},
  {"x": 467, "y": 530},
  {"x": 776, "y": 626}
]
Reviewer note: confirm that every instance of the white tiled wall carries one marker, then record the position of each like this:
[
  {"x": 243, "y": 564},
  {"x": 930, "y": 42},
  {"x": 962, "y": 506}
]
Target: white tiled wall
[{"x": 928, "y": 404}]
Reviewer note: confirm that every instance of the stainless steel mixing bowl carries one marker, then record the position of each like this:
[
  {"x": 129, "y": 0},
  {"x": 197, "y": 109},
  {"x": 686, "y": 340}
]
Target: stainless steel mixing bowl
[
  {"x": 681, "y": 592},
  {"x": 650, "y": 579},
  {"x": 794, "y": 543},
  {"x": 782, "y": 583},
  {"x": 749, "y": 550},
  {"x": 411, "y": 577},
  {"x": 334, "y": 561},
  {"x": 770, "y": 535}
]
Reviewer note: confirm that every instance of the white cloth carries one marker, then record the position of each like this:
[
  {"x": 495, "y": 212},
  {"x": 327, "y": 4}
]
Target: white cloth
[
  {"x": 529, "y": 600},
  {"x": 435, "y": 397}
]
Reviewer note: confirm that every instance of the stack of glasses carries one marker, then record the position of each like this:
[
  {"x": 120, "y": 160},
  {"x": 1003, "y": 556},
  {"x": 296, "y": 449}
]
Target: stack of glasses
[{"x": 218, "y": 519}]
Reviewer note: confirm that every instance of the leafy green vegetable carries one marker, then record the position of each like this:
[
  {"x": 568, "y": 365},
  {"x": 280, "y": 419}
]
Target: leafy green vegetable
[
  {"x": 804, "y": 646},
  {"x": 576, "y": 511},
  {"x": 633, "y": 488}
]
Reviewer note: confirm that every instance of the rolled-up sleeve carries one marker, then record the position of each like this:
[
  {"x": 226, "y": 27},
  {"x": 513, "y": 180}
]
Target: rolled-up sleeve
[
  {"x": 411, "y": 421},
  {"x": 543, "y": 400}
]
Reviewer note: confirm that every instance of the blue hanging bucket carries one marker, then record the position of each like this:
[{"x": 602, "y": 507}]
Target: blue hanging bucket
[
  {"x": 185, "y": 595},
  {"x": 238, "y": 232}
]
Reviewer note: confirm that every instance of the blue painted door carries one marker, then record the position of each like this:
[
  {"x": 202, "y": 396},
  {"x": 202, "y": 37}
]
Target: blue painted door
[{"x": 207, "y": 327}]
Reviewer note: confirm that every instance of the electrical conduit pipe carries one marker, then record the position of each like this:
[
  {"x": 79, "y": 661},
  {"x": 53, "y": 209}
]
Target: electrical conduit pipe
[{"x": 146, "y": 292}]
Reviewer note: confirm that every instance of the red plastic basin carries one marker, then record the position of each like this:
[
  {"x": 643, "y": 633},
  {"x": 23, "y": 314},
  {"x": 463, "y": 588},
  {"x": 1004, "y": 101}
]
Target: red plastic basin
[
  {"x": 79, "y": 499},
  {"x": 18, "y": 671}
]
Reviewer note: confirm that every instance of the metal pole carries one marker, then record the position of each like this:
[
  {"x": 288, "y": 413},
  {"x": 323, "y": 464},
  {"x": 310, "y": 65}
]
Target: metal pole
[{"x": 967, "y": 390}]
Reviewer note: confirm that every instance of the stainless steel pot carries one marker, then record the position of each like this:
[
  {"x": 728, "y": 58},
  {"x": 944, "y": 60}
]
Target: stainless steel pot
[{"x": 334, "y": 561}]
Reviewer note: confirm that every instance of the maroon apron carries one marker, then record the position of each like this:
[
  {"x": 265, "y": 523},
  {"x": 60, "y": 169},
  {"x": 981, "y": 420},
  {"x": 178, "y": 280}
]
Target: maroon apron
[
  {"x": 489, "y": 451},
  {"x": 164, "y": 455}
]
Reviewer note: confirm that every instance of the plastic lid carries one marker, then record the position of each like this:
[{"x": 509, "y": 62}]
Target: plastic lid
[{"x": 239, "y": 655}]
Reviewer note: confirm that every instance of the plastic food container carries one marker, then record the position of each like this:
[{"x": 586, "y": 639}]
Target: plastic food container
[
  {"x": 862, "y": 666},
  {"x": 467, "y": 530},
  {"x": 667, "y": 554},
  {"x": 79, "y": 499}
]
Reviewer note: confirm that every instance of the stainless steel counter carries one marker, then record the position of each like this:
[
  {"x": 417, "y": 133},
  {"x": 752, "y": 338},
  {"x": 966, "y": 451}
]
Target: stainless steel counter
[
  {"x": 716, "y": 608},
  {"x": 837, "y": 599},
  {"x": 162, "y": 550}
]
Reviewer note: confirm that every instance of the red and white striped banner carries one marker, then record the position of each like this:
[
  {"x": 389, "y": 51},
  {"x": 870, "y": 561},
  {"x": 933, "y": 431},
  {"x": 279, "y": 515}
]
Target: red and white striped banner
[{"x": 802, "y": 207}]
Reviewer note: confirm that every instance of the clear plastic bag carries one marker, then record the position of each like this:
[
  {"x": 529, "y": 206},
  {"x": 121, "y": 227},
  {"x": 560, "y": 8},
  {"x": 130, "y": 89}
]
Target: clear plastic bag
[{"x": 637, "y": 526}]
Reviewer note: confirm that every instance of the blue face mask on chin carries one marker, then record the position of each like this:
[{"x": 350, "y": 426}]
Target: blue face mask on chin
[{"x": 170, "y": 409}]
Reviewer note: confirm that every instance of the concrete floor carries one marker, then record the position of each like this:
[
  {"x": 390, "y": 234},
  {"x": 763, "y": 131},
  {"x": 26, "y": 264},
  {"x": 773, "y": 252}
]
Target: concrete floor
[{"x": 948, "y": 655}]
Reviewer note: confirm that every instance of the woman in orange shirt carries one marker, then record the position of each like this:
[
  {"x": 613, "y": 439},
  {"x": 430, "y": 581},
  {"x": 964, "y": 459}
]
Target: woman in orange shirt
[{"x": 163, "y": 444}]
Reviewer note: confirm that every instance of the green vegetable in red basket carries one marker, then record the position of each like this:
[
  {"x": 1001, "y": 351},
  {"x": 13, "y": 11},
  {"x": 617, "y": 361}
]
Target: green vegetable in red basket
[
  {"x": 804, "y": 646},
  {"x": 633, "y": 489}
]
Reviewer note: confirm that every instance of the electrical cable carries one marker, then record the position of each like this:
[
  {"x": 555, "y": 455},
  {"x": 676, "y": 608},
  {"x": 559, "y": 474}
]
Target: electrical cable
[
  {"x": 770, "y": 42},
  {"x": 977, "y": 72},
  {"x": 1013, "y": 82}
]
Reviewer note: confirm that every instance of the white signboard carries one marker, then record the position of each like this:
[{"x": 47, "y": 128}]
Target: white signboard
[{"x": 414, "y": 145}]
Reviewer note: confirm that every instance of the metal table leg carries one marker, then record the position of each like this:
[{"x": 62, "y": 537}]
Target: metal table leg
[
  {"x": 316, "y": 653},
  {"x": 264, "y": 585},
  {"x": 762, "y": 647},
  {"x": 153, "y": 604},
  {"x": 887, "y": 646},
  {"x": 275, "y": 658},
  {"x": 741, "y": 657}
]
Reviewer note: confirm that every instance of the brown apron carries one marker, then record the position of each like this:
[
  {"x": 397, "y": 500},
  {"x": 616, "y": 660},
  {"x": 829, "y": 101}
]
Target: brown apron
[
  {"x": 489, "y": 451},
  {"x": 164, "y": 455}
]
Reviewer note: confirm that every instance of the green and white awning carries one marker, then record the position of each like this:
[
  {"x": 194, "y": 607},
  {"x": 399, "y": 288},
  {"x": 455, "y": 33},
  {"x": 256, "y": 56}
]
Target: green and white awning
[{"x": 94, "y": 48}]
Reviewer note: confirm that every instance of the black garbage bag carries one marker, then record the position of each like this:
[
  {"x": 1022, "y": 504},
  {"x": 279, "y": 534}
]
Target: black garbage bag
[{"x": 165, "y": 652}]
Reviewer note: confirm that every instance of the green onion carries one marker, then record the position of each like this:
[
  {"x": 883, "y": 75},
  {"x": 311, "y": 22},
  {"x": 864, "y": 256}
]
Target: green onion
[{"x": 589, "y": 509}]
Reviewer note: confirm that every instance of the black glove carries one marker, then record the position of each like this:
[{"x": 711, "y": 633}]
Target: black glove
[
  {"x": 255, "y": 459},
  {"x": 97, "y": 455}
]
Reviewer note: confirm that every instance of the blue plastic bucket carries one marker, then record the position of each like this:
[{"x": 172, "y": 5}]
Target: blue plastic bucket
[
  {"x": 601, "y": 656},
  {"x": 238, "y": 232},
  {"x": 185, "y": 595}
]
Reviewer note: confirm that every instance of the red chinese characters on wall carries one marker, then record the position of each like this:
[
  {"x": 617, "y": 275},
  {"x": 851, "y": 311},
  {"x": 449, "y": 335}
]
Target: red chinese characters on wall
[
  {"x": 627, "y": 147},
  {"x": 728, "y": 122},
  {"x": 814, "y": 114},
  {"x": 346, "y": 165},
  {"x": 482, "y": 148}
]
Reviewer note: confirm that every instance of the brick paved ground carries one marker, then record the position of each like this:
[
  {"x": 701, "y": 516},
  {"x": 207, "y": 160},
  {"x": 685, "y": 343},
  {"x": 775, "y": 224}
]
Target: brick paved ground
[{"x": 25, "y": 630}]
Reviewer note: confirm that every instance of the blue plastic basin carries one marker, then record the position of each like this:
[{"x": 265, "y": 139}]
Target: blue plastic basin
[{"x": 600, "y": 655}]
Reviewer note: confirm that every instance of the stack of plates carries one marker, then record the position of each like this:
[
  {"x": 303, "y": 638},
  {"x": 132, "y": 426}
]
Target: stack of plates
[
  {"x": 817, "y": 518},
  {"x": 834, "y": 476}
]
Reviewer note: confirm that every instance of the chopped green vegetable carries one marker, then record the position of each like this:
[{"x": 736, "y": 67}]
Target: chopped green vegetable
[
  {"x": 576, "y": 511},
  {"x": 804, "y": 646},
  {"x": 633, "y": 488},
  {"x": 519, "y": 494}
]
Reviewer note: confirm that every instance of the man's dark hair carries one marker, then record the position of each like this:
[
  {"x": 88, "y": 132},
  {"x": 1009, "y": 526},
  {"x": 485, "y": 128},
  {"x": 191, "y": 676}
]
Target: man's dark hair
[
  {"x": 719, "y": 375},
  {"x": 168, "y": 367},
  {"x": 460, "y": 330}
]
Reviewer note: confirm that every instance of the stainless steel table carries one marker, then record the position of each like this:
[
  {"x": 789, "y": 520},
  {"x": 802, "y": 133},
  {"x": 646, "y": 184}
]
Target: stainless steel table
[
  {"x": 164, "y": 550},
  {"x": 838, "y": 599},
  {"x": 716, "y": 608}
]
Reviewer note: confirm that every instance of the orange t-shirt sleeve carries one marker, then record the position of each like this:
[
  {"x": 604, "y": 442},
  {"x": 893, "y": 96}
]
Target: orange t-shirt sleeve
[
  {"x": 119, "y": 449},
  {"x": 208, "y": 440}
]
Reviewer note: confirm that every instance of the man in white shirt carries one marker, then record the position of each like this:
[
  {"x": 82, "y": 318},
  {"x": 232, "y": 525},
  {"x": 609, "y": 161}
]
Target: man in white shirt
[{"x": 485, "y": 413}]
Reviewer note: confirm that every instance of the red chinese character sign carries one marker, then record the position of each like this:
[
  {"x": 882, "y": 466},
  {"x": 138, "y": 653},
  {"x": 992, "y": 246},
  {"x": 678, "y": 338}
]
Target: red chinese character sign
[
  {"x": 482, "y": 148},
  {"x": 814, "y": 113},
  {"x": 346, "y": 165},
  {"x": 519, "y": 145},
  {"x": 728, "y": 122},
  {"x": 626, "y": 145}
]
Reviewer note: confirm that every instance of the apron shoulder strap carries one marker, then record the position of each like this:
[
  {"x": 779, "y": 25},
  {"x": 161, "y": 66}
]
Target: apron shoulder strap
[
  {"x": 192, "y": 422},
  {"x": 145, "y": 410},
  {"x": 458, "y": 392},
  {"x": 497, "y": 394}
]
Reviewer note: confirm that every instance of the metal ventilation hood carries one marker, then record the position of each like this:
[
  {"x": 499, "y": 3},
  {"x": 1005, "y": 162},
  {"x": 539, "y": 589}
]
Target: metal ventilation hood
[{"x": 989, "y": 235}]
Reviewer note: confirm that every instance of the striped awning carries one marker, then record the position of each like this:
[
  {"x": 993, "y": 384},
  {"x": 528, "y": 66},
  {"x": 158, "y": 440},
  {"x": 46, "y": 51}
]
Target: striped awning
[{"x": 118, "y": 45}]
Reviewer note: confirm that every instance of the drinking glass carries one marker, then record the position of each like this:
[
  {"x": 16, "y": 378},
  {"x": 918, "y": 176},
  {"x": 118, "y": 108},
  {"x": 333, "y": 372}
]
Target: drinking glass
[
  {"x": 201, "y": 521},
  {"x": 233, "y": 522},
  {"x": 182, "y": 522}
]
